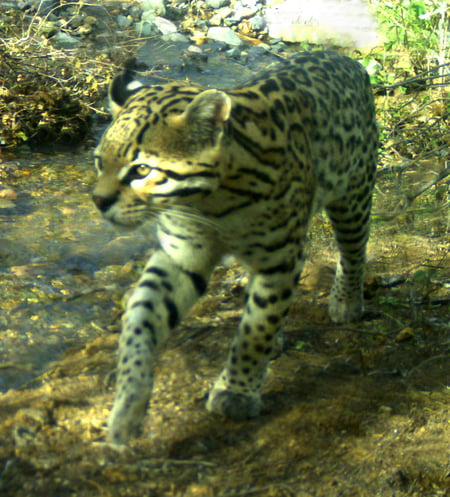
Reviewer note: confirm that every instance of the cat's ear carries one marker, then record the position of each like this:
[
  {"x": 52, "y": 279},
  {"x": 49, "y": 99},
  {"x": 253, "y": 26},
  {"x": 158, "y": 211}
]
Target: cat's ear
[
  {"x": 123, "y": 86},
  {"x": 213, "y": 106},
  {"x": 205, "y": 117}
]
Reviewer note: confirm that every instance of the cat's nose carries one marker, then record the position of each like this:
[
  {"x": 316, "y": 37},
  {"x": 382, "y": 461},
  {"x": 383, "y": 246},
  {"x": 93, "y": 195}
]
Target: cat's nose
[{"x": 104, "y": 203}]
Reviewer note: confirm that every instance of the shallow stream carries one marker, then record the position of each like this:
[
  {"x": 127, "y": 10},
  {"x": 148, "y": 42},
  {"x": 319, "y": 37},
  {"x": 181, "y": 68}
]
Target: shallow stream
[{"x": 60, "y": 263}]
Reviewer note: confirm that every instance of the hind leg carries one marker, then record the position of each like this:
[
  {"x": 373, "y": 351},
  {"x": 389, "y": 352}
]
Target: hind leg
[
  {"x": 350, "y": 221},
  {"x": 236, "y": 393}
]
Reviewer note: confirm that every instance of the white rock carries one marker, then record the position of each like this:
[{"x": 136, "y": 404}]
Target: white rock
[
  {"x": 217, "y": 4},
  {"x": 225, "y": 35},
  {"x": 343, "y": 22},
  {"x": 164, "y": 26}
]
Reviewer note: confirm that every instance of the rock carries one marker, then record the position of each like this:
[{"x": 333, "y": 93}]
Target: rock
[
  {"x": 164, "y": 26},
  {"x": 277, "y": 46},
  {"x": 234, "y": 53},
  {"x": 250, "y": 3},
  {"x": 151, "y": 24},
  {"x": 220, "y": 15},
  {"x": 143, "y": 28},
  {"x": 224, "y": 35},
  {"x": 63, "y": 40},
  {"x": 343, "y": 22},
  {"x": 124, "y": 22},
  {"x": 8, "y": 193},
  {"x": 258, "y": 23},
  {"x": 48, "y": 28},
  {"x": 175, "y": 38},
  {"x": 195, "y": 53},
  {"x": 6, "y": 204},
  {"x": 258, "y": 50},
  {"x": 155, "y": 6},
  {"x": 242, "y": 11},
  {"x": 76, "y": 21},
  {"x": 146, "y": 26},
  {"x": 41, "y": 7},
  {"x": 217, "y": 4},
  {"x": 135, "y": 12}
]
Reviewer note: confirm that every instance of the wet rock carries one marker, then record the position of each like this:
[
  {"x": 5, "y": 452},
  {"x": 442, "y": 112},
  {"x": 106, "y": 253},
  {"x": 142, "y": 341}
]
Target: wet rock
[
  {"x": 224, "y": 35},
  {"x": 79, "y": 264},
  {"x": 234, "y": 53},
  {"x": 157, "y": 54},
  {"x": 48, "y": 28},
  {"x": 175, "y": 38},
  {"x": 258, "y": 51},
  {"x": 195, "y": 53},
  {"x": 277, "y": 46}
]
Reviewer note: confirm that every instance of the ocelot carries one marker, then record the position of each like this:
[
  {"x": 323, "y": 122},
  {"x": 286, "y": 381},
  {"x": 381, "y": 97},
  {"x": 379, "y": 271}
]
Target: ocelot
[{"x": 236, "y": 172}]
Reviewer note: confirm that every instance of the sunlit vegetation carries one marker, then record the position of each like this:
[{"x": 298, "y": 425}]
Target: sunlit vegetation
[{"x": 47, "y": 94}]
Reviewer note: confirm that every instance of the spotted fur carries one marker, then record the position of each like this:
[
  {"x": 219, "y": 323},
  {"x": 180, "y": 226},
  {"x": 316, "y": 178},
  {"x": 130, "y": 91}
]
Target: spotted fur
[{"x": 236, "y": 172}]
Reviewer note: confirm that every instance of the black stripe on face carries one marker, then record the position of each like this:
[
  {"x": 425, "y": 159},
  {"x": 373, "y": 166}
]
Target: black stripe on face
[
  {"x": 184, "y": 192},
  {"x": 177, "y": 176}
]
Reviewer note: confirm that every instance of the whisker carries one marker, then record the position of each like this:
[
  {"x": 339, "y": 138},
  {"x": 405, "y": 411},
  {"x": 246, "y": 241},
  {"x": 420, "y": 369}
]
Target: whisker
[{"x": 183, "y": 213}]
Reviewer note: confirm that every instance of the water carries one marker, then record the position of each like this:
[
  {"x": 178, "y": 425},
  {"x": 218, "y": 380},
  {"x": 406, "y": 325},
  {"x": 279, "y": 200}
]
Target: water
[{"x": 62, "y": 268}]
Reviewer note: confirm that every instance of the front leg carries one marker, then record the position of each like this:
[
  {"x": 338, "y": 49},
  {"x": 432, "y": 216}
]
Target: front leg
[
  {"x": 236, "y": 393},
  {"x": 163, "y": 295}
]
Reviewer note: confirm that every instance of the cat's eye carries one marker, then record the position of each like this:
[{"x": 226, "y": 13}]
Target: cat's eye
[{"x": 142, "y": 169}]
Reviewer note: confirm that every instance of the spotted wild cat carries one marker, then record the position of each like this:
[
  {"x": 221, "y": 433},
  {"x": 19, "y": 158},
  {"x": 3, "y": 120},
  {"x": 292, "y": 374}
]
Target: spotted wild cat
[{"x": 236, "y": 172}]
